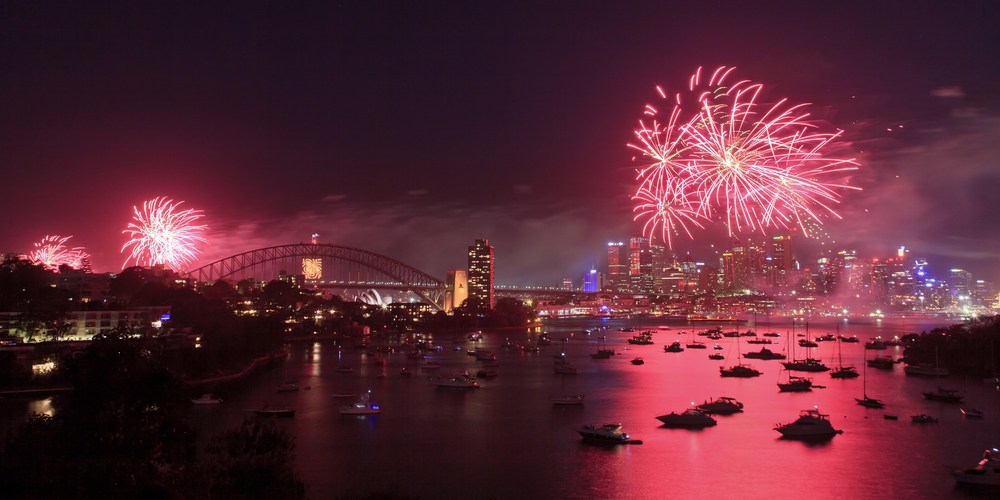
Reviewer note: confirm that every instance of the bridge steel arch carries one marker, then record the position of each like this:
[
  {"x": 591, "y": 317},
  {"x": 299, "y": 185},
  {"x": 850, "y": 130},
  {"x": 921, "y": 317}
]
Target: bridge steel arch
[{"x": 393, "y": 273}]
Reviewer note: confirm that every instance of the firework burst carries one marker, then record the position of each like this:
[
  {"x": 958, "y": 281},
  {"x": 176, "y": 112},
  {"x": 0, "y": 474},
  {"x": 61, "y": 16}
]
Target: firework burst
[
  {"x": 52, "y": 252},
  {"x": 723, "y": 156},
  {"x": 163, "y": 234}
]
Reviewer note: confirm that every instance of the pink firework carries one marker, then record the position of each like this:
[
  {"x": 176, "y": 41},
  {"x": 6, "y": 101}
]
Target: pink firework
[
  {"x": 52, "y": 252},
  {"x": 723, "y": 156},
  {"x": 163, "y": 234}
]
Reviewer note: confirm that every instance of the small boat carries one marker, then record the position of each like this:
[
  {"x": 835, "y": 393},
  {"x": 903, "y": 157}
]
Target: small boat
[
  {"x": 943, "y": 395},
  {"x": 882, "y": 362},
  {"x": 795, "y": 384},
  {"x": 923, "y": 419},
  {"x": 674, "y": 347},
  {"x": 571, "y": 400},
  {"x": 811, "y": 424},
  {"x": 606, "y": 434},
  {"x": 716, "y": 356},
  {"x": 637, "y": 361},
  {"x": 772, "y": 334},
  {"x": 721, "y": 406},
  {"x": 405, "y": 372},
  {"x": 826, "y": 338},
  {"x": 890, "y": 417},
  {"x": 984, "y": 473},
  {"x": 363, "y": 406},
  {"x": 868, "y": 402},
  {"x": 697, "y": 345},
  {"x": 207, "y": 399},
  {"x": 456, "y": 383},
  {"x": 853, "y": 339},
  {"x": 739, "y": 371},
  {"x": 345, "y": 369},
  {"x": 876, "y": 345},
  {"x": 764, "y": 341},
  {"x": 274, "y": 412},
  {"x": 806, "y": 365},
  {"x": 691, "y": 418},
  {"x": 288, "y": 387},
  {"x": 764, "y": 353},
  {"x": 807, "y": 343},
  {"x": 603, "y": 354},
  {"x": 972, "y": 413},
  {"x": 717, "y": 347}
]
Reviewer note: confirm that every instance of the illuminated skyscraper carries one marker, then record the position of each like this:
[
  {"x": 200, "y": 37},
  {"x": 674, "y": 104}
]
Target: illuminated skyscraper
[
  {"x": 590, "y": 281},
  {"x": 617, "y": 274},
  {"x": 640, "y": 265},
  {"x": 481, "y": 275},
  {"x": 782, "y": 264}
]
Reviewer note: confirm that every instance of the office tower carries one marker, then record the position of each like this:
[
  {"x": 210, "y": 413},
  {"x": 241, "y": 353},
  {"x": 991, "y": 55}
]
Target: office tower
[
  {"x": 617, "y": 271},
  {"x": 590, "y": 281},
  {"x": 481, "y": 275}
]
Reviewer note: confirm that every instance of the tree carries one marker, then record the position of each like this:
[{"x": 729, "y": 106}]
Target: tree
[{"x": 253, "y": 461}]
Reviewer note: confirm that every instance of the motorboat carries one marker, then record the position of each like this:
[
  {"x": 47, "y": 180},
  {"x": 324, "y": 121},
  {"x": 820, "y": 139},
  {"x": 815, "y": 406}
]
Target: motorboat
[
  {"x": 923, "y": 419},
  {"x": 882, "y": 362},
  {"x": 772, "y": 334},
  {"x": 606, "y": 434},
  {"x": 807, "y": 343},
  {"x": 696, "y": 345},
  {"x": 571, "y": 400},
  {"x": 972, "y": 413},
  {"x": 475, "y": 336},
  {"x": 944, "y": 395},
  {"x": 764, "y": 353},
  {"x": 890, "y": 417},
  {"x": 691, "y": 418},
  {"x": 876, "y": 345},
  {"x": 717, "y": 347},
  {"x": 721, "y": 406},
  {"x": 716, "y": 356},
  {"x": 795, "y": 384},
  {"x": 644, "y": 339},
  {"x": 363, "y": 406},
  {"x": 603, "y": 354},
  {"x": 826, "y": 338},
  {"x": 637, "y": 361},
  {"x": 674, "y": 347},
  {"x": 207, "y": 399},
  {"x": 764, "y": 341},
  {"x": 986, "y": 472},
  {"x": 810, "y": 424},
  {"x": 806, "y": 365},
  {"x": 853, "y": 339},
  {"x": 456, "y": 383},
  {"x": 739, "y": 371}
]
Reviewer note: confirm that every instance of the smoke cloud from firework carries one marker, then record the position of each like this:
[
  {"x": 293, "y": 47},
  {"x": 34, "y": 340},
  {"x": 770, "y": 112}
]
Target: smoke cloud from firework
[
  {"x": 163, "y": 234},
  {"x": 52, "y": 252},
  {"x": 721, "y": 155}
]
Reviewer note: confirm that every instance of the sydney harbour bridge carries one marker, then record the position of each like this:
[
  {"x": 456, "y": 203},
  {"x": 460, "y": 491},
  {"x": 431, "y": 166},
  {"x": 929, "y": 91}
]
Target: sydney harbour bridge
[{"x": 335, "y": 267}]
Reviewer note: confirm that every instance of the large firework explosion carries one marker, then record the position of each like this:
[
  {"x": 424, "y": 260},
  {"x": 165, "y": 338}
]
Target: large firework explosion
[
  {"x": 722, "y": 156},
  {"x": 52, "y": 252},
  {"x": 163, "y": 234}
]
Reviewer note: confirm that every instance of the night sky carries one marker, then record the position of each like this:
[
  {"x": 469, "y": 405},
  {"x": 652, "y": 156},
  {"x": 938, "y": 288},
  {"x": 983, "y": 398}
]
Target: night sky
[{"x": 413, "y": 128}]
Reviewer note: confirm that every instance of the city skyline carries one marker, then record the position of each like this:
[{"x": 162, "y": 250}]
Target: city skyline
[{"x": 473, "y": 121}]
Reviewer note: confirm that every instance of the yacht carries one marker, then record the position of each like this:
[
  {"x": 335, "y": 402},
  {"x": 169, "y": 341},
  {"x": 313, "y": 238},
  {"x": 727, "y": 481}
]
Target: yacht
[
  {"x": 697, "y": 345},
  {"x": 607, "y": 433},
  {"x": 944, "y": 395},
  {"x": 764, "y": 353},
  {"x": 972, "y": 413},
  {"x": 637, "y": 361},
  {"x": 772, "y": 334},
  {"x": 691, "y": 418},
  {"x": 876, "y": 345},
  {"x": 845, "y": 372},
  {"x": 882, "y": 362},
  {"x": 764, "y": 341},
  {"x": 674, "y": 347},
  {"x": 741, "y": 371},
  {"x": 796, "y": 384},
  {"x": 274, "y": 412},
  {"x": 868, "y": 402},
  {"x": 807, "y": 343},
  {"x": 456, "y": 382},
  {"x": 363, "y": 406},
  {"x": 986, "y": 472},
  {"x": 716, "y": 356},
  {"x": 810, "y": 424},
  {"x": 923, "y": 419},
  {"x": 806, "y": 365},
  {"x": 853, "y": 339},
  {"x": 721, "y": 406}
]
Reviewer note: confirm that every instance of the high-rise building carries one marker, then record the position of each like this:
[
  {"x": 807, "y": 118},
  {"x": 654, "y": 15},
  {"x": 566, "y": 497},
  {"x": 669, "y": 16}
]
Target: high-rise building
[
  {"x": 640, "y": 265},
  {"x": 617, "y": 270},
  {"x": 782, "y": 263},
  {"x": 481, "y": 275},
  {"x": 590, "y": 281},
  {"x": 457, "y": 290}
]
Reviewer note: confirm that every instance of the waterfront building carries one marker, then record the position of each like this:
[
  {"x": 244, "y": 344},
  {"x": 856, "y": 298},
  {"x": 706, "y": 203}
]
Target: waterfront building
[
  {"x": 590, "y": 280},
  {"x": 481, "y": 276}
]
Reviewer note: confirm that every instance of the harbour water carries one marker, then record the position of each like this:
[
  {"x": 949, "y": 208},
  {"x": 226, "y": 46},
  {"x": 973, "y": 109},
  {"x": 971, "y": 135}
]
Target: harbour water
[{"x": 507, "y": 439}]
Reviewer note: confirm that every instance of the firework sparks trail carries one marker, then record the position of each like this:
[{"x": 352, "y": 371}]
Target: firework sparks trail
[
  {"x": 52, "y": 252},
  {"x": 163, "y": 234},
  {"x": 723, "y": 156}
]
